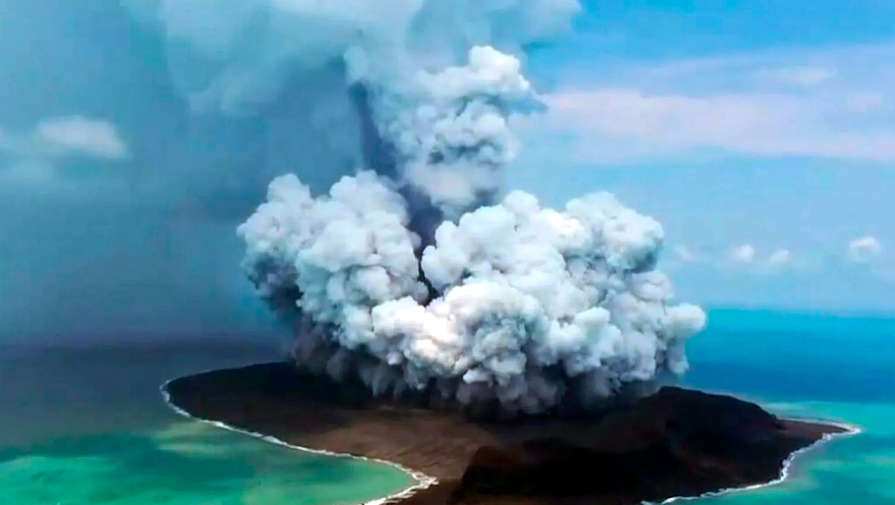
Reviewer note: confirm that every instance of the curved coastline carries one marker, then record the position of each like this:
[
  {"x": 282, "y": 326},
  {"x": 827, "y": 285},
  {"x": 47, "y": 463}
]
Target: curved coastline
[
  {"x": 850, "y": 430},
  {"x": 424, "y": 481}
]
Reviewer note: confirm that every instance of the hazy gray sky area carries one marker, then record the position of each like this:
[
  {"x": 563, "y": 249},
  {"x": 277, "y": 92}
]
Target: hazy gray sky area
[
  {"x": 103, "y": 243},
  {"x": 127, "y": 161}
]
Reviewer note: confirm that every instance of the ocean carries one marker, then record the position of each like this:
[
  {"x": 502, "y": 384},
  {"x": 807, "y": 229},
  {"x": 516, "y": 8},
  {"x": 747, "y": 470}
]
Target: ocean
[
  {"x": 810, "y": 365},
  {"x": 87, "y": 425}
]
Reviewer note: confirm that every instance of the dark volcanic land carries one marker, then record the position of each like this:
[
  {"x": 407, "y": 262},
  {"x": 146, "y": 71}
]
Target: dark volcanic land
[{"x": 677, "y": 442}]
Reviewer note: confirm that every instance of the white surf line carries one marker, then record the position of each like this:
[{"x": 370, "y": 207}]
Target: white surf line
[
  {"x": 423, "y": 481},
  {"x": 850, "y": 431}
]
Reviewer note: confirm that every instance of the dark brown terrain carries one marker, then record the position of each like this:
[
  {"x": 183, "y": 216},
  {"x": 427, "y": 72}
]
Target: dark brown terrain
[{"x": 676, "y": 442}]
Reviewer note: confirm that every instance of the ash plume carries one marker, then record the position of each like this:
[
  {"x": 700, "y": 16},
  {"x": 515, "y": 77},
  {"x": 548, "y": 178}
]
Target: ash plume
[
  {"x": 513, "y": 303},
  {"x": 411, "y": 273}
]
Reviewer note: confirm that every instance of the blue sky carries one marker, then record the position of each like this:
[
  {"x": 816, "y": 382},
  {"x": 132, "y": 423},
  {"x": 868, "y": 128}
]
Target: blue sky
[
  {"x": 761, "y": 134},
  {"x": 674, "y": 29}
]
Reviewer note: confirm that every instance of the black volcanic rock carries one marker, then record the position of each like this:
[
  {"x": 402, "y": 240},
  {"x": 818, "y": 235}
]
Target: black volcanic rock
[{"x": 676, "y": 442}]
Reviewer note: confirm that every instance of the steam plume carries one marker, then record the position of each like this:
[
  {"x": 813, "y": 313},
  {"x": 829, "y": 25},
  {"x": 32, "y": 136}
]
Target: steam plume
[
  {"x": 525, "y": 300},
  {"x": 408, "y": 273}
]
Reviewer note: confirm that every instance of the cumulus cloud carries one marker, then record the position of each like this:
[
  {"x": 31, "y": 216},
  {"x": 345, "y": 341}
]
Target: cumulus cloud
[
  {"x": 685, "y": 254},
  {"x": 864, "y": 249},
  {"x": 63, "y": 137},
  {"x": 780, "y": 258},
  {"x": 34, "y": 159},
  {"x": 78, "y": 135},
  {"x": 748, "y": 256},
  {"x": 744, "y": 253}
]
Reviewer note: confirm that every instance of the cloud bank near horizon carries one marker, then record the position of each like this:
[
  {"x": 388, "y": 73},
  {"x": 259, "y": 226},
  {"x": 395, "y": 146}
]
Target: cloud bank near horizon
[{"x": 827, "y": 103}]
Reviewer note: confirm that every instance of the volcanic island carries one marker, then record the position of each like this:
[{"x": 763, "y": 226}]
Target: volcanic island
[{"x": 673, "y": 443}]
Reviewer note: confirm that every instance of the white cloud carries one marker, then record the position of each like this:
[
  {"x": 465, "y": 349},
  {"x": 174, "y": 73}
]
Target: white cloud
[
  {"x": 864, "y": 249},
  {"x": 615, "y": 124},
  {"x": 684, "y": 254},
  {"x": 829, "y": 104},
  {"x": 744, "y": 253},
  {"x": 747, "y": 255},
  {"x": 34, "y": 156},
  {"x": 33, "y": 159},
  {"x": 803, "y": 75},
  {"x": 780, "y": 258},
  {"x": 79, "y": 135}
]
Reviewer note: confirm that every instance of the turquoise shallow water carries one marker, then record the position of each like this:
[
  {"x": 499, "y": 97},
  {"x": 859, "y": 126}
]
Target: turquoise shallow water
[
  {"x": 87, "y": 426},
  {"x": 184, "y": 464},
  {"x": 815, "y": 366},
  {"x": 859, "y": 470}
]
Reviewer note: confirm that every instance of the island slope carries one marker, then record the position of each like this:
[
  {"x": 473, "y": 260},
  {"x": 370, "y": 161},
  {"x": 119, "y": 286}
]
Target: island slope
[{"x": 676, "y": 442}]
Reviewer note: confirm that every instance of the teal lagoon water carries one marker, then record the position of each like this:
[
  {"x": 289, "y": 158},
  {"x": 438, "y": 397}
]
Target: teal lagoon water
[{"x": 87, "y": 426}]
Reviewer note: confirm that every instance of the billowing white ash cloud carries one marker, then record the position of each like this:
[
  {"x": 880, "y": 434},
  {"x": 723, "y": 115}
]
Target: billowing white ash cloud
[
  {"x": 409, "y": 274},
  {"x": 525, "y": 302},
  {"x": 449, "y": 128},
  {"x": 345, "y": 252}
]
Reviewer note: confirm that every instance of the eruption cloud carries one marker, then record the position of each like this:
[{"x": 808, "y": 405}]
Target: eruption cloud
[
  {"x": 450, "y": 133},
  {"x": 514, "y": 303},
  {"x": 409, "y": 273}
]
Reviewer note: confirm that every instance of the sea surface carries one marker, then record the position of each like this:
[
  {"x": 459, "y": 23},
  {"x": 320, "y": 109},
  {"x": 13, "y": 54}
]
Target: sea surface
[{"x": 87, "y": 426}]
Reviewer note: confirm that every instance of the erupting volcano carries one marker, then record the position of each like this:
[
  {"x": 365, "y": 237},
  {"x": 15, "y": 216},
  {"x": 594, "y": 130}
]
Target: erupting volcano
[
  {"x": 414, "y": 278},
  {"x": 440, "y": 319}
]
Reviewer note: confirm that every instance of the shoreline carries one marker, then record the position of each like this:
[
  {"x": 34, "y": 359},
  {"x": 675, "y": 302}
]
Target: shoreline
[
  {"x": 424, "y": 481},
  {"x": 851, "y": 430}
]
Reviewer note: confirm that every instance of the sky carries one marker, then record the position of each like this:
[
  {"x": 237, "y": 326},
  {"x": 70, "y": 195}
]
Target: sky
[{"x": 761, "y": 135}]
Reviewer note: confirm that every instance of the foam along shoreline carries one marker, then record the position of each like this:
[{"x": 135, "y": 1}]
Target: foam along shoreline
[
  {"x": 249, "y": 400},
  {"x": 849, "y": 430},
  {"x": 423, "y": 481}
]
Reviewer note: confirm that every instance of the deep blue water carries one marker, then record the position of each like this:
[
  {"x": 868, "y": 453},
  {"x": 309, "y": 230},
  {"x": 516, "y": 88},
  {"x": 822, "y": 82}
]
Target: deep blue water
[{"x": 795, "y": 356}]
